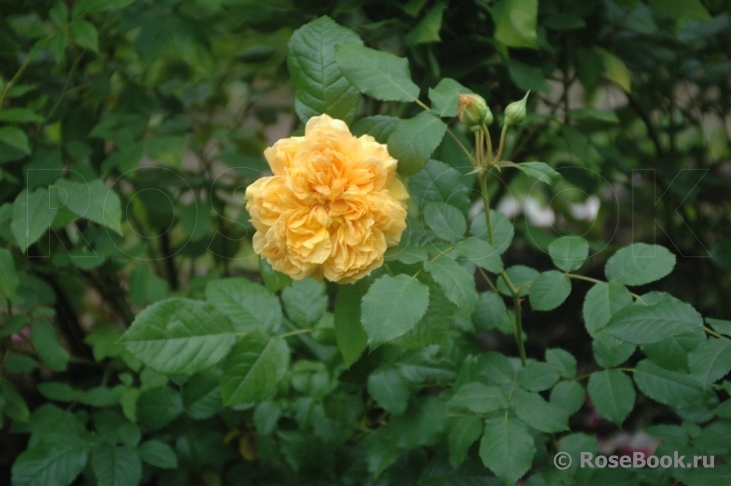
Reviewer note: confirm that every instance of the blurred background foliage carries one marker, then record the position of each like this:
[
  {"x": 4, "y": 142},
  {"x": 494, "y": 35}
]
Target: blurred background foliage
[{"x": 171, "y": 103}]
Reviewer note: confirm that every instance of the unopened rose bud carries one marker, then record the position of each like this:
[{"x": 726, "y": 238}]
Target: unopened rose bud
[
  {"x": 515, "y": 111},
  {"x": 473, "y": 110}
]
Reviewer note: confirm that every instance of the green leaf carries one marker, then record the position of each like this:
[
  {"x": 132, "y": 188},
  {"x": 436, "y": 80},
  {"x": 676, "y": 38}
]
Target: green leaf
[
  {"x": 179, "y": 336},
  {"x": 18, "y": 363},
  {"x": 158, "y": 454},
  {"x": 537, "y": 170},
  {"x": 32, "y": 216},
  {"x": 496, "y": 368},
  {"x": 93, "y": 201},
  {"x": 720, "y": 325},
  {"x": 11, "y": 403},
  {"x": 609, "y": 352},
  {"x": 515, "y": 22},
  {"x": 682, "y": 9},
  {"x": 156, "y": 32},
  {"x": 378, "y": 74},
  {"x": 51, "y": 462},
  {"x": 549, "y": 290},
  {"x": 538, "y": 413},
  {"x": 445, "y": 221},
  {"x": 562, "y": 361},
  {"x": 85, "y": 34},
  {"x": 640, "y": 323},
  {"x": 305, "y": 302},
  {"x": 672, "y": 353},
  {"x": 502, "y": 230},
  {"x": 116, "y": 466},
  {"x": 612, "y": 394},
  {"x": 479, "y": 252},
  {"x": 595, "y": 114},
  {"x": 720, "y": 474},
  {"x": 673, "y": 389},
  {"x": 46, "y": 343},
  {"x": 202, "y": 395},
  {"x": 94, "y": 6},
  {"x": 273, "y": 280},
  {"x": 433, "y": 327},
  {"x": 507, "y": 448},
  {"x": 379, "y": 127},
  {"x": 463, "y": 432},
  {"x": 710, "y": 361},
  {"x": 569, "y": 395},
  {"x": 249, "y": 305},
  {"x": 413, "y": 141},
  {"x": 254, "y": 368},
  {"x": 479, "y": 398},
  {"x": 438, "y": 182},
  {"x": 522, "y": 278},
  {"x": 568, "y": 253},
  {"x": 537, "y": 376},
  {"x": 616, "y": 70},
  {"x": 445, "y": 97},
  {"x": 19, "y": 115},
  {"x": 639, "y": 264},
  {"x": 456, "y": 282},
  {"x": 8, "y": 279},
  {"x": 389, "y": 389},
  {"x": 490, "y": 311},
  {"x": 427, "y": 30},
  {"x": 319, "y": 85},
  {"x": 349, "y": 334},
  {"x": 16, "y": 138},
  {"x": 601, "y": 302},
  {"x": 60, "y": 392},
  {"x": 392, "y": 307},
  {"x": 158, "y": 407}
]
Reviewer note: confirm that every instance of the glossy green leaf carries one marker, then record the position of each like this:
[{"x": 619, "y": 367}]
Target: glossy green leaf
[
  {"x": 8, "y": 279},
  {"x": 379, "y": 127},
  {"x": 639, "y": 264},
  {"x": 158, "y": 407},
  {"x": 479, "y": 398},
  {"x": 12, "y": 403},
  {"x": 522, "y": 278},
  {"x": 456, "y": 282},
  {"x": 202, "y": 395},
  {"x": 32, "y": 216},
  {"x": 319, "y": 85},
  {"x": 273, "y": 280},
  {"x": 515, "y": 22},
  {"x": 537, "y": 170},
  {"x": 668, "y": 387},
  {"x": 720, "y": 325},
  {"x": 389, "y": 389},
  {"x": 640, "y": 323},
  {"x": 392, "y": 307},
  {"x": 479, "y": 252},
  {"x": 710, "y": 361},
  {"x": 254, "y": 368},
  {"x": 496, "y": 368},
  {"x": 568, "y": 253},
  {"x": 490, "y": 311},
  {"x": 463, "y": 432},
  {"x": 179, "y": 336},
  {"x": 49, "y": 349},
  {"x": 433, "y": 327},
  {"x": 116, "y": 466},
  {"x": 438, "y": 182},
  {"x": 157, "y": 453},
  {"x": 445, "y": 221},
  {"x": 51, "y": 462},
  {"x": 445, "y": 97},
  {"x": 502, "y": 230},
  {"x": 413, "y": 141},
  {"x": 427, "y": 30},
  {"x": 562, "y": 361},
  {"x": 602, "y": 301},
  {"x": 378, "y": 74},
  {"x": 549, "y": 290},
  {"x": 349, "y": 334},
  {"x": 305, "y": 302},
  {"x": 537, "y": 376},
  {"x": 538, "y": 413},
  {"x": 507, "y": 448},
  {"x": 93, "y": 201},
  {"x": 568, "y": 395},
  {"x": 16, "y": 138},
  {"x": 85, "y": 34},
  {"x": 612, "y": 394},
  {"x": 248, "y": 304}
]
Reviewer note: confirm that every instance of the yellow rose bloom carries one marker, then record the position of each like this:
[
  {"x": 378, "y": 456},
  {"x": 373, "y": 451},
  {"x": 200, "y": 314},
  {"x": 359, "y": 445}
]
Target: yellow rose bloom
[{"x": 332, "y": 207}]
